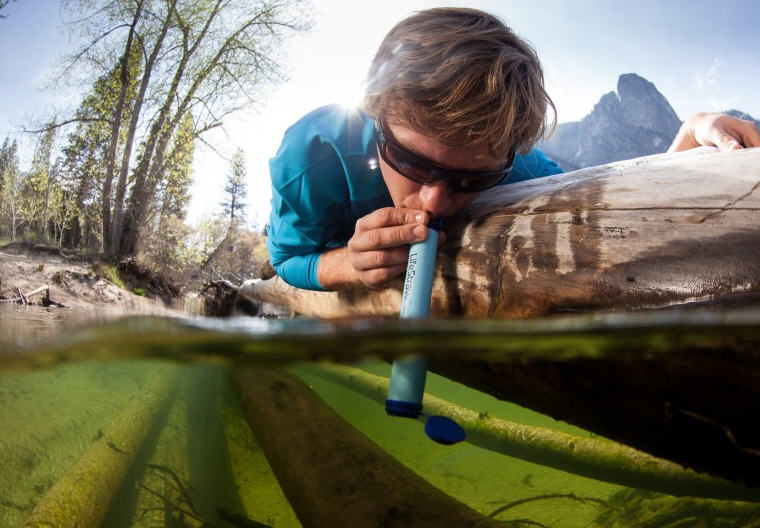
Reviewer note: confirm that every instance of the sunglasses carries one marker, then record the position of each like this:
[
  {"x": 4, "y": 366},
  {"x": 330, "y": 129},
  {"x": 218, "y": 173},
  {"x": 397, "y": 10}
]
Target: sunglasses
[{"x": 425, "y": 172}]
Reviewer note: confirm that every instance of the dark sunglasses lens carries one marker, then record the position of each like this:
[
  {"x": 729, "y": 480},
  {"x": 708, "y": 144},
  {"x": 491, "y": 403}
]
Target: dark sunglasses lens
[
  {"x": 464, "y": 183},
  {"x": 410, "y": 167}
]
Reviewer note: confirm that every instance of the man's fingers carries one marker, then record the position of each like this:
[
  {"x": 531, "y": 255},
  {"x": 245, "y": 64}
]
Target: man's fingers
[
  {"x": 378, "y": 277},
  {"x": 751, "y": 136},
  {"x": 721, "y": 130},
  {"x": 387, "y": 237},
  {"x": 385, "y": 258},
  {"x": 391, "y": 216},
  {"x": 730, "y": 133},
  {"x": 726, "y": 142}
]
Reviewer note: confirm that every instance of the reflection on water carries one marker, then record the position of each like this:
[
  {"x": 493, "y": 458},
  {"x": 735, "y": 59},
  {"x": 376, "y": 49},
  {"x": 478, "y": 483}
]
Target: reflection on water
[
  {"x": 166, "y": 443},
  {"x": 23, "y": 324}
]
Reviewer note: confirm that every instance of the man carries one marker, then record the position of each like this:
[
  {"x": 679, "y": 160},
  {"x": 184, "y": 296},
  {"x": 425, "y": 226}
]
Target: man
[{"x": 454, "y": 103}]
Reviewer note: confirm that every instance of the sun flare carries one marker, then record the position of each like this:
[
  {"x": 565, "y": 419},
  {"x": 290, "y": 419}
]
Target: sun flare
[{"x": 350, "y": 95}]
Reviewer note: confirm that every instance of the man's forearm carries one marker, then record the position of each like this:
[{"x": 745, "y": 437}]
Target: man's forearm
[{"x": 335, "y": 272}]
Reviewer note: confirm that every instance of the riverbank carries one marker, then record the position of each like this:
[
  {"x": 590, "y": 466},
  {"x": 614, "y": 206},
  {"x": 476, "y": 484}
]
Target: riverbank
[{"x": 76, "y": 282}]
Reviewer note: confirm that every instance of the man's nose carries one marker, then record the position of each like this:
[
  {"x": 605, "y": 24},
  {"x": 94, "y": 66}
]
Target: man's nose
[{"x": 436, "y": 198}]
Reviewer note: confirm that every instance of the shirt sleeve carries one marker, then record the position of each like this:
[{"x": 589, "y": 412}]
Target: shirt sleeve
[
  {"x": 308, "y": 209},
  {"x": 533, "y": 164}
]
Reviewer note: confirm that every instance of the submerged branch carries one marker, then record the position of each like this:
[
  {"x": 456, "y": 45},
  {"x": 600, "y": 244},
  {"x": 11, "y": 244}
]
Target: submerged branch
[{"x": 590, "y": 457}]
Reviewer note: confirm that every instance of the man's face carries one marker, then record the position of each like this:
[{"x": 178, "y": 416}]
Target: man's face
[{"x": 437, "y": 199}]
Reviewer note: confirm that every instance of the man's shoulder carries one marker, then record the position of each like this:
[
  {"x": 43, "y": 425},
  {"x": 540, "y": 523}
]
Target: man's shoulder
[
  {"x": 330, "y": 123},
  {"x": 330, "y": 134},
  {"x": 532, "y": 164}
]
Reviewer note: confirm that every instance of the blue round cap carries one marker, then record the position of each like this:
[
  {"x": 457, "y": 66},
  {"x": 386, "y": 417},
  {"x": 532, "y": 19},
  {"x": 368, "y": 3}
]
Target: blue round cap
[{"x": 444, "y": 430}]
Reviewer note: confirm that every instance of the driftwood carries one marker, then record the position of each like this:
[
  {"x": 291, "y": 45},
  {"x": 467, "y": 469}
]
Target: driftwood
[
  {"x": 43, "y": 288},
  {"x": 332, "y": 475},
  {"x": 24, "y": 298},
  {"x": 651, "y": 232},
  {"x": 661, "y": 231},
  {"x": 587, "y": 456}
]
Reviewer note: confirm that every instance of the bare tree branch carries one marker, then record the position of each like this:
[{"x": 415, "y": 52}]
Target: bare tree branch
[
  {"x": 87, "y": 49},
  {"x": 3, "y": 4},
  {"x": 213, "y": 148},
  {"x": 65, "y": 122}
]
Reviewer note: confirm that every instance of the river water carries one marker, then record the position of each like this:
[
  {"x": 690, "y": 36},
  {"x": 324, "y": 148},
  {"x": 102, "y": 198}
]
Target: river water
[{"x": 134, "y": 422}]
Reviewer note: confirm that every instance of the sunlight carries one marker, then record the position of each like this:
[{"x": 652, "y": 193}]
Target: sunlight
[{"x": 349, "y": 95}]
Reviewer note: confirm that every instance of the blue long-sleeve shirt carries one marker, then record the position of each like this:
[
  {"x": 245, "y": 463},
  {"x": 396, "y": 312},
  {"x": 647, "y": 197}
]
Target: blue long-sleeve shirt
[{"x": 326, "y": 176}]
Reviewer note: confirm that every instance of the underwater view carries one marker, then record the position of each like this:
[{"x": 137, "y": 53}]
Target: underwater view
[{"x": 254, "y": 422}]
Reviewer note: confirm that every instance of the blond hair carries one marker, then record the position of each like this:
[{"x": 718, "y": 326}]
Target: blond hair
[{"x": 462, "y": 77}]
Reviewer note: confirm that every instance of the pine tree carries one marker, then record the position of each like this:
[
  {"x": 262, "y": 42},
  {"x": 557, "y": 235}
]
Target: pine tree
[
  {"x": 164, "y": 249},
  {"x": 85, "y": 158},
  {"x": 235, "y": 190},
  {"x": 179, "y": 171}
]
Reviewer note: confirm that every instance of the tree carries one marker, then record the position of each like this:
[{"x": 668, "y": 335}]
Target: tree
[
  {"x": 165, "y": 248},
  {"x": 126, "y": 78},
  {"x": 8, "y": 164},
  {"x": 150, "y": 62},
  {"x": 85, "y": 158},
  {"x": 179, "y": 171},
  {"x": 224, "y": 50},
  {"x": 235, "y": 189},
  {"x": 37, "y": 186},
  {"x": 164, "y": 73},
  {"x": 9, "y": 177}
]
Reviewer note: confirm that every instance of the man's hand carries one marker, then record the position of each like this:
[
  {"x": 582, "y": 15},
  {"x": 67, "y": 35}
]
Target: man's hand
[
  {"x": 377, "y": 252},
  {"x": 719, "y": 130},
  {"x": 379, "y": 249}
]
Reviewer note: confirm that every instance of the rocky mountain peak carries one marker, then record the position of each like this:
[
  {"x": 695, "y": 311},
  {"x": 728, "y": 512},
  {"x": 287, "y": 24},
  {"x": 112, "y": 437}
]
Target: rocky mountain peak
[
  {"x": 643, "y": 106},
  {"x": 635, "y": 121}
]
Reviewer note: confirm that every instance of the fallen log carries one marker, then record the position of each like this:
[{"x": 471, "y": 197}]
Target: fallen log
[
  {"x": 690, "y": 405},
  {"x": 651, "y": 232},
  {"x": 82, "y": 497},
  {"x": 43, "y": 288},
  {"x": 333, "y": 475},
  {"x": 587, "y": 456},
  {"x": 655, "y": 232}
]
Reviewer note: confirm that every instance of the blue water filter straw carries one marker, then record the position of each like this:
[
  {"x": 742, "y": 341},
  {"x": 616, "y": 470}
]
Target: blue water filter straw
[{"x": 407, "y": 384}]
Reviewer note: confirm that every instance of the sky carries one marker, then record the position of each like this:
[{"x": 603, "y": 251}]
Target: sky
[{"x": 702, "y": 55}]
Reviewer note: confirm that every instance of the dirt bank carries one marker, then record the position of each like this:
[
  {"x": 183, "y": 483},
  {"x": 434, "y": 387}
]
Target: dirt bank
[{"x": 75, "y": 281}]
